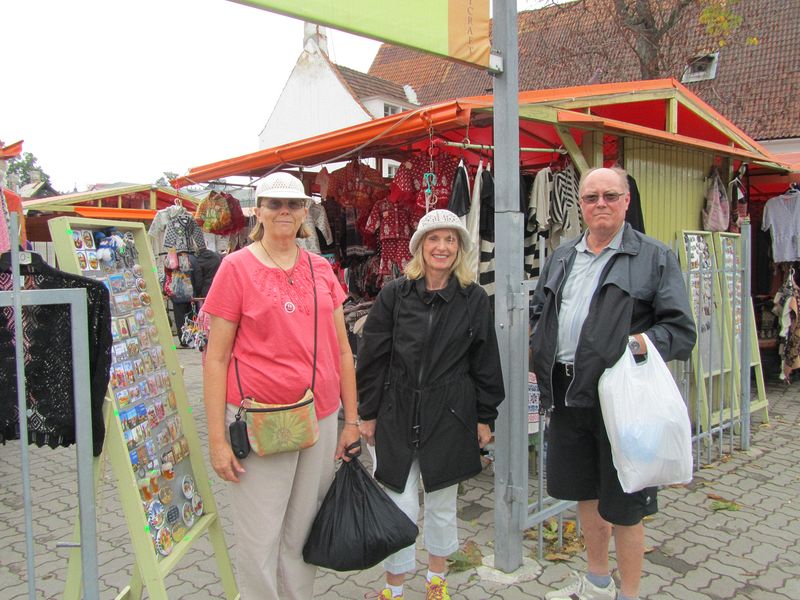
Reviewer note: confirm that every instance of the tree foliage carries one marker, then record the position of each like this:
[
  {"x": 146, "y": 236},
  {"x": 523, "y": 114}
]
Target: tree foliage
[
  {"x": 652, "y": 27},
  {"x": 23, "y": 164},
  {"x": 164, "y": 180},
  {"x": 651, "y": 21}
]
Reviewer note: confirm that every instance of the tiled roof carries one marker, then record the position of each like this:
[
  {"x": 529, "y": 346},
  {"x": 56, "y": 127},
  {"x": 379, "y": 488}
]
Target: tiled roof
[
  {"x": 368, "y": 86},
  {"x": 756, "y": 86}
]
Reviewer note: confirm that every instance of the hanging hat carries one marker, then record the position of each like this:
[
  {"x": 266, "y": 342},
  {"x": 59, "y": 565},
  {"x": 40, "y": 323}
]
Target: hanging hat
[
  {"x": 281, "y": 185},
  {"x": 440, "y": 219}
]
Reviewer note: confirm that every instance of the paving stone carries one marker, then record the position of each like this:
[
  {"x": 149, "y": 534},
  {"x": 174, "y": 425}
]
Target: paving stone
[{"x": 698, "y": 554}]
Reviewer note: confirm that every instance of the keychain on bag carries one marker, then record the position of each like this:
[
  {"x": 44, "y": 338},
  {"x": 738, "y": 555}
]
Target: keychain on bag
[{"x": 238, "y": 433}]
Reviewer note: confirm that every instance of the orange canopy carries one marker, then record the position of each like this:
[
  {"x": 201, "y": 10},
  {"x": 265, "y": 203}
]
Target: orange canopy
[{"x": 659, "y": 109}]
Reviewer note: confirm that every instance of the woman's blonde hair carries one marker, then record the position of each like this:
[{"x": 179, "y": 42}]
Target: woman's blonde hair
[
  {"x": 415, "y": 269},
  {"x": 257, "y": 232}
]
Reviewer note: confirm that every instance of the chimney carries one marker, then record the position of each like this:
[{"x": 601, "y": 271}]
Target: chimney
[
  {"x": 312, "y": 31},
  {"x": 35, "y": 175}
]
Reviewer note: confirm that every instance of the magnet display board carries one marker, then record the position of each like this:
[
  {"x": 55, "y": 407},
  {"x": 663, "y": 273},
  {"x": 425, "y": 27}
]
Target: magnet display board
[
  {"x": 728, "y": 250},
  {"x": 151, "y": 439},
  {"x": 711, "y": 357}
]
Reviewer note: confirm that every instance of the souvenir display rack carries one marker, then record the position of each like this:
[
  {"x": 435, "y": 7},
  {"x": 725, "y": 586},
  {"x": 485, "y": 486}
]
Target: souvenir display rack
[
  {"x": 728, "y": 249},
  {"x": 151, "y": 439},
  {"x": 711, "y": 357},
  {"x": 712, "y": 263}
]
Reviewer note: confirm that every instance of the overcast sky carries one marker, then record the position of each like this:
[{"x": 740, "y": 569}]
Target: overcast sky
[{"x": 105, "y": 90}]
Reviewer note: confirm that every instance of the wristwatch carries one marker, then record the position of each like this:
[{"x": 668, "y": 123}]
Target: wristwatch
[{"x": 634, "y": 345}]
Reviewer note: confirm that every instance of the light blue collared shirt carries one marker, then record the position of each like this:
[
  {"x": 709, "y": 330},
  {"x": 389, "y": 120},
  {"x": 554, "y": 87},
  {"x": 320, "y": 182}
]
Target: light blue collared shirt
[{"x": 578, "y": 291}]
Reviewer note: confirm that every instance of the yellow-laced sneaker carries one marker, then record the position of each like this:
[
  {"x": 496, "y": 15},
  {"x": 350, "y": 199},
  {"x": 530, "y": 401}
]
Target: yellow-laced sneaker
[{"x": 436, "y": 589}]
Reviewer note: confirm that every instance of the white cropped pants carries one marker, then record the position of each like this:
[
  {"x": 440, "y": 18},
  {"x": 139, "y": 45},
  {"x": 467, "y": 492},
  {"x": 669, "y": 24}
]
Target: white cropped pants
[{"x": 440, "y": 530}]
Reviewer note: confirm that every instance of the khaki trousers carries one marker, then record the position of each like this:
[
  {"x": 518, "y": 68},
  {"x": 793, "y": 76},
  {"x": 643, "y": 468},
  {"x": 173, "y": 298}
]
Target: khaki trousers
[{"x": 274, "y": 505}]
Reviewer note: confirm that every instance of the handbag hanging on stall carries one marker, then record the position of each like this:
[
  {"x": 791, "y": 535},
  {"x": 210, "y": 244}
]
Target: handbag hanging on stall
[{"x": 270, "y": 428}]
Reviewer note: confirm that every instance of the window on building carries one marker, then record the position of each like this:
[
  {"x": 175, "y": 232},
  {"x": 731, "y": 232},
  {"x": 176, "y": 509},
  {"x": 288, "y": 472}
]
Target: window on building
[
  {"x": 390, "y": 109},
  {"x": 391, "y": 170},
  {"x": 701, "y": 68}
]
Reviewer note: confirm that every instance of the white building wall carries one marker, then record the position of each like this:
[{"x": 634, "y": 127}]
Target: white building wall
[
  {"x": 313, "y": 101},
  {"x": 375, "y": 107},
  {"x": 784, "y": 146}
]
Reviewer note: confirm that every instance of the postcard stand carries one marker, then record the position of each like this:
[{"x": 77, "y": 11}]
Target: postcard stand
[
  {"x": 151, "y": 439},
  {"x": 711, "y": 357},
  {"x": 728, "y": 250}
]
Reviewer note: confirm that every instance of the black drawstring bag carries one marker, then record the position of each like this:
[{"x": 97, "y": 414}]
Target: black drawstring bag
[{"x": 357, "y": 525}]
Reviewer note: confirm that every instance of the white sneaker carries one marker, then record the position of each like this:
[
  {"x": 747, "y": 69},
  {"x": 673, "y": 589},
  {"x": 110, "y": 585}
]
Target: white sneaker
[{"x": 583, "y": 589}]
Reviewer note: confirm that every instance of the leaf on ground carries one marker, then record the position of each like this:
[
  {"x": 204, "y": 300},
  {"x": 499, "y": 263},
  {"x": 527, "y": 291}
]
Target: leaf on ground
[
  {"x": 557, "y": 557},
  {"x": 715, "y": 497},
  {"x": 648, "y": 550},
  {"x": 468, "y": 557},
  {"x": 724, "y": 505}
]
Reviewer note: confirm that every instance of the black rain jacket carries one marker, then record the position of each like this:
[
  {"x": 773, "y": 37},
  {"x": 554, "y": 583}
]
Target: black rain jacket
[
  {"x": 429, "y": 370},
  {"x": 641, "y": 290}
]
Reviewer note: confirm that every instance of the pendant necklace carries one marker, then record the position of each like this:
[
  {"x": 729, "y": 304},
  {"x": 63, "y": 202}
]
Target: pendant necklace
[{"x": 288, "y": 273}]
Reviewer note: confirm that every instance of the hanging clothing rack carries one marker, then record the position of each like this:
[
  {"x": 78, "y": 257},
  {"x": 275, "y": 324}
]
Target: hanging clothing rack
[{"x": 485, "y": 147}]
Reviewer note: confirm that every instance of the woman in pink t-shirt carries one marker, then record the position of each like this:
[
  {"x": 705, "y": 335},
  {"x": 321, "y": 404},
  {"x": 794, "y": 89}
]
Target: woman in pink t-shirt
[{"x": 261, "y": 307}]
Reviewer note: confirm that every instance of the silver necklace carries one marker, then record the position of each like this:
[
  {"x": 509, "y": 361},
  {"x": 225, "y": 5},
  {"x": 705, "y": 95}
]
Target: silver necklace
[{"x": 290, "y": 272}]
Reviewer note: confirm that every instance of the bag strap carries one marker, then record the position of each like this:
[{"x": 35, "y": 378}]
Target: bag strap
[
  {"x": 314, "y": 365},
  {"x": 313, "y": 287},
  {"x": 395, "y": 314}
]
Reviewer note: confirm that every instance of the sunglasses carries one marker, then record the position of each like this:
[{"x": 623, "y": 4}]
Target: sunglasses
[
  {"x": 277, "y": 203},
  {"x": 608, "y": 197}
]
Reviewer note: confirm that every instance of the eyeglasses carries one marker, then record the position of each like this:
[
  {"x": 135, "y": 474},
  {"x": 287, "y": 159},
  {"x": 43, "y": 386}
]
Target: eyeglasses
[
  {"x": 277, "y": 203},
  {"x": 435, "y": 238},
  {"x": 608, "y": 197}
]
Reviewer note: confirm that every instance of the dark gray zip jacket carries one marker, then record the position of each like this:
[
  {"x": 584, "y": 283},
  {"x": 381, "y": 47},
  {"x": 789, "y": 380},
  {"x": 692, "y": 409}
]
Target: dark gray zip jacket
[
  {"x": 429, "y": 370},
  {"x": 641, "y": 290}
]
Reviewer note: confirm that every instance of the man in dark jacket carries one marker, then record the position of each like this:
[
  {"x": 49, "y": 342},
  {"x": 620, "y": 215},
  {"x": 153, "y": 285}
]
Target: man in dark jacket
[
  {"x": 595, "y": 295},
  {"x": 208, "y": 262}
]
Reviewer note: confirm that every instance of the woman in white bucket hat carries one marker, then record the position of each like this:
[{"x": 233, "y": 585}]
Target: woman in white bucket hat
[
  {"x": 263, "y": 312},
  {"x": 429, "y": 382}
]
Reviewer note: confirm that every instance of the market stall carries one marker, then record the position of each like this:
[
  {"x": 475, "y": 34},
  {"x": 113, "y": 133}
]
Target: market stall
[{"x": 668, "y": 140}]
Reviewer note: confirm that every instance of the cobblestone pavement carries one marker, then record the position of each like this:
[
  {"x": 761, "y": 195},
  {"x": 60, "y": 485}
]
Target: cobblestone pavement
[{"x": 695, "y": 552}]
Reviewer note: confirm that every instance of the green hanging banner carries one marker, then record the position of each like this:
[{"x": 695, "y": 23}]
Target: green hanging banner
[{"x": 454, "y": 29}]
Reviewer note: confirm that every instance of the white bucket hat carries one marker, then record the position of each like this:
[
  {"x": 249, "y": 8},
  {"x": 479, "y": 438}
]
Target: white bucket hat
[
  {"x": 281, "y": 185},
  {"x": 440, "y": 219}
]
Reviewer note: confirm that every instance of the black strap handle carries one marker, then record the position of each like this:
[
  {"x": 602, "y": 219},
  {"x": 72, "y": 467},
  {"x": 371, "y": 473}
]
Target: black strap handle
[{"x": 353, "y": 450}]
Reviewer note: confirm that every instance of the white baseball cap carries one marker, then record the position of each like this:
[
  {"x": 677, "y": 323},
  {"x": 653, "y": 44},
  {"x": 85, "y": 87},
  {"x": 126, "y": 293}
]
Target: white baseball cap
[{"x": 440, "y": 219}]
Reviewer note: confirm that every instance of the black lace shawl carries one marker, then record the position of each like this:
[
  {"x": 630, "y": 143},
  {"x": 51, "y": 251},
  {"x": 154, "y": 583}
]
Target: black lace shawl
[{"x": 48, "y": 358}]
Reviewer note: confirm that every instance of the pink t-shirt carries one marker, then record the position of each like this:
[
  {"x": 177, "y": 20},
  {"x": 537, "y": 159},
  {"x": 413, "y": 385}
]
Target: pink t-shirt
[{"x": 275, "y": 340}]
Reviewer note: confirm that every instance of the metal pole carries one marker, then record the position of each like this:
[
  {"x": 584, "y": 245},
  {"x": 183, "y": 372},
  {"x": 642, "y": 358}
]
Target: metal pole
[
  {"x": 511, "y": 301},
  {"x": 736, "y": 309},
  {"x": 83, "y": 437},
  {"x": 22, "y": 405},
  {"x": 745, "y": 355}
]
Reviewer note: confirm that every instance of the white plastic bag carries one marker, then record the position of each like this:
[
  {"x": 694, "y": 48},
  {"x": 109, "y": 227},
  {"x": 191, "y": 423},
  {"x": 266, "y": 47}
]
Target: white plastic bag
[{"x": 647, "y": 422}]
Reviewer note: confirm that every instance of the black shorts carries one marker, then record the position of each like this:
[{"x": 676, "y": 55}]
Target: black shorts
[{"x": 579, "y": 463}]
